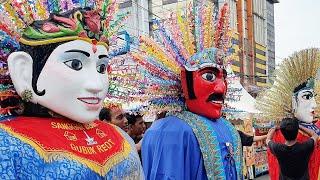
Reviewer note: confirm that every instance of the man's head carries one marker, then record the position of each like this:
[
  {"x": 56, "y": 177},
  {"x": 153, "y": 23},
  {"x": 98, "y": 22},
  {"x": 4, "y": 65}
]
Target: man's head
[
  {"x": 114, "y": 116},
  {"x": 303, "y": 101},
  {"x": 136, "y": 125},
  {"x": 62, "y": 64},
  {"x": 289, "y": 128}
]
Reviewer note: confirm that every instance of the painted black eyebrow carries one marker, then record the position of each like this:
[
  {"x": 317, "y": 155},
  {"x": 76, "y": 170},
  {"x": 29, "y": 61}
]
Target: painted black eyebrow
[
  {"x": 308, "y": 91},
  {"x": 79, "y": 51},
  {"x": 209, "y": 68},
  {"x": 102, "y": 56},
  {"x": 214, "y": 69}
]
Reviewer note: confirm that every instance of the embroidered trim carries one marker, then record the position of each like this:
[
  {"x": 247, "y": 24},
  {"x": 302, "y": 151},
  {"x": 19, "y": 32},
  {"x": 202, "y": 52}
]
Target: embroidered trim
[
  {"x": 238, "y": 147},
  {"x": 102, "y": 170},
  {"x": 61, "y": 39},
  {"x": 209, "y": 145},
  {"x": 311, "y": 126}
]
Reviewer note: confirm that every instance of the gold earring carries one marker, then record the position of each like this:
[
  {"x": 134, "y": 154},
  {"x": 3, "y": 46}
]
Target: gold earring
[{"x": 26, "y": 95}]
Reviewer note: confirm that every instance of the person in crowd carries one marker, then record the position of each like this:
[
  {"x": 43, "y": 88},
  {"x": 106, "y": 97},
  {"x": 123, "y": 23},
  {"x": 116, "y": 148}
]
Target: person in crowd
[
  {"x": 248, "y": 140},
  {"x": 136, "y": 128},
  {"x": 293, "y": 156},
  {"x": 114, "y": 115}
]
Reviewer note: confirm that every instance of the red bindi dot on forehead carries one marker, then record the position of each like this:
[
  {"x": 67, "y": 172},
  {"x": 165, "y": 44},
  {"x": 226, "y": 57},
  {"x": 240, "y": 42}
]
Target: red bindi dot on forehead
[
  {"x": 94, "y": 45},
  {"x": 109, "y": 69}
]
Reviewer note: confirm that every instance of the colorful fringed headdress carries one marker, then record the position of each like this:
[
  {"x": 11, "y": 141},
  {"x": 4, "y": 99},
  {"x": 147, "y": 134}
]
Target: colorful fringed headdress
[
  {"x": 191, "y": 39},
  {"x": 295, "y": 73},
  {"x": 111, "y": 105},
  {"x": 41, "y": 22}
]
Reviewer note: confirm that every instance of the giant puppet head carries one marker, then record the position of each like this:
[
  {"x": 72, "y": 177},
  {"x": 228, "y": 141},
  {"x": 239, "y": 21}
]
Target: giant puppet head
[
  {"x": 204, "y": 85},
  {"x": 303, "y": 101},
  {"x": 293, "y": 92},
  {"x": 60, "y": 65},
  {"x": 185, "y": 61}
]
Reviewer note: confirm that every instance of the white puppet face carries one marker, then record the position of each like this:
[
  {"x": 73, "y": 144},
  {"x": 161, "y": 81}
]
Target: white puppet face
[
  {"x": 74, "y": 79},
  {"x": 305, "y": 104}
]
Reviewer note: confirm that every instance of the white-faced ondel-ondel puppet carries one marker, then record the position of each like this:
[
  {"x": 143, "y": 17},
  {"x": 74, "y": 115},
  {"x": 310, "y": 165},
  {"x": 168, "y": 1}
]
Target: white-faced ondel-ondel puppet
[
  {"x": 58, "y": 65},
  {"x": 183, "y": 66},
  {"x": 294, "y": 94}
]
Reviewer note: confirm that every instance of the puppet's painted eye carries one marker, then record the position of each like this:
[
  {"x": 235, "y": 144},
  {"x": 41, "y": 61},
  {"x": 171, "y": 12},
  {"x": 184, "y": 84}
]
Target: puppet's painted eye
[
  {"x": 307, "y": 96},
  {"x": 74, "y": 64},
  {"x": 101, "y": 68},
  {"x": 208, "y": 76}
]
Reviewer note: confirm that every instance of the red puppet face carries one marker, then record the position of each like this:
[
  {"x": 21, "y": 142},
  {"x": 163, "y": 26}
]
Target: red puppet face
[{"x": 205, "y": 90}]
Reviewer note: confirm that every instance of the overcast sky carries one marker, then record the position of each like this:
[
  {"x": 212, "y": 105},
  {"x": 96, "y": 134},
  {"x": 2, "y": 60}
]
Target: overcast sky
[{"x": 297, "y": 26}]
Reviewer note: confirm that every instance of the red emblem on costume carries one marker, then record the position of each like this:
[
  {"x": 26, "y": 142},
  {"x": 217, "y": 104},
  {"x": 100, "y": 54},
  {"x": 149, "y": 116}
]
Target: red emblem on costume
[{"x": 97, "y": 145}]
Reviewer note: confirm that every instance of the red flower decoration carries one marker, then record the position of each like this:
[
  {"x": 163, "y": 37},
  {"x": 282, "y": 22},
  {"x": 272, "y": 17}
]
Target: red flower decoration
[
  {"x": 109, "y": 69},
  {"x": 50, "y": 28},
  {"x": 92, "y": 19}
]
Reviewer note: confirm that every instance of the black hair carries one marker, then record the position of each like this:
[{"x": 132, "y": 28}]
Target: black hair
[
  {"x": 40, "y": 55},
  {"x": 189, "y": 79},
  {"x": 298, "y": 88},
  {"x": 161, "y": 115},
  {"x": 105, "y": 114},
  {"x": 132, "y": 119},
  {"x": 289, "y": 128},
  {"x": 225, "y": 73}
]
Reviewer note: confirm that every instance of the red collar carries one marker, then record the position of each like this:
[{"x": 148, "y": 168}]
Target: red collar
[{"x": 98, "y": 145}]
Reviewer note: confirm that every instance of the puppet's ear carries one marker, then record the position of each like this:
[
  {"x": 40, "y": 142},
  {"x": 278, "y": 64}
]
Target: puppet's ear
[{"x": 20, "y": 69}]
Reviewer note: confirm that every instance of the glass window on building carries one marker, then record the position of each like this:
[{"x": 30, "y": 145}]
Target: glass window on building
[
  {"x": 165, "y": 2},
  {"x": 259, "y": 30},
  {"x": 259, "y": 7},
  {"x": 125, "y": 4},
  {"x": 233, "y": 13}
]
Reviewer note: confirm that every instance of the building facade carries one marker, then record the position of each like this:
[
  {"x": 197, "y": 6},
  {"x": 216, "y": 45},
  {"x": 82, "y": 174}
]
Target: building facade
[
  {"x": 137, "y": 23},
  {"x": 271, "y": 37},
  {"x": 260, "y": 43},
  {"x": 255, "y": 24}
]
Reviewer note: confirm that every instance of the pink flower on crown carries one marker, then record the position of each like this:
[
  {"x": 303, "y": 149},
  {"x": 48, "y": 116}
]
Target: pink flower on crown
[{"x": 92, "y": 19}]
